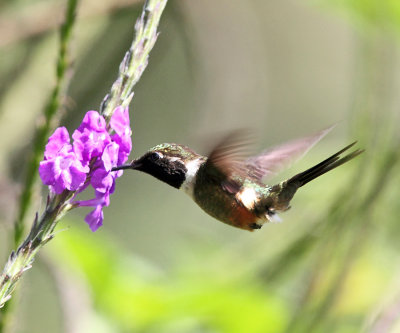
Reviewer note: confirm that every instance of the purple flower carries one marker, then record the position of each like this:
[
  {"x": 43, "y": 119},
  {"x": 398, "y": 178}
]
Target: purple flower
[
  {"x": 95, "y": 218},
  {"x": 92, "y": 156},
  {"x": 91, "y": 137},
  {"x": 58, "y": 143},
  {"x": 110, "y": 156},
  {"x": 121, "y": 125},
  {"x": 61, "y": 170},
  {"x": 103, "y": 182}
]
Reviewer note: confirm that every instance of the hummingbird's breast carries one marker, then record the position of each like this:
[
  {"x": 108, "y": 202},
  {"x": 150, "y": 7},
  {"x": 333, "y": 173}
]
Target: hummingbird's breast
[
  {"x": 236, "y": 209},
  {"x": 224, "y": 206}
]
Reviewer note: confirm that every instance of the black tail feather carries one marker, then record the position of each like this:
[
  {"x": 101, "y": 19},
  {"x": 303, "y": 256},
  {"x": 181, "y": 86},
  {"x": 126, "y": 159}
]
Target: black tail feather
[{"x": 330, "y": 163}]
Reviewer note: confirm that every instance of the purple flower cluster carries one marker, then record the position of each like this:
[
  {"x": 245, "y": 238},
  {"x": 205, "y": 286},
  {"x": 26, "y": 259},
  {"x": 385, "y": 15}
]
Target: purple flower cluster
[{"x": 88, "y": 160}]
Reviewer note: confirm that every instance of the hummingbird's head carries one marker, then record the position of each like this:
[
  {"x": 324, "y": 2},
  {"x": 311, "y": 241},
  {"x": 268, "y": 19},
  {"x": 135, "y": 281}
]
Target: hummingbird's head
[{"x": 168, "y": 162}]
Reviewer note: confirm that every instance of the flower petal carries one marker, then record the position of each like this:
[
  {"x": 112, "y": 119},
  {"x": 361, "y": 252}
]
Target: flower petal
[
  {"x": 110, "y": 156},
  {"x": 90, "y": 143},
  {"x": 58, "y": 143},
  {"x": 101, "y": 180},
  {"x": 120, "y": 121},
  {"x": 92, "y": 121},
  {"x": 58, "y": 186},
  {"x": 95, "y": 218},
  {"x": 101, "y": 199},
  {"x": 46, "y": 172},
  {"x": 77, "y": 176},
  {"x": 120, "y": 124}
]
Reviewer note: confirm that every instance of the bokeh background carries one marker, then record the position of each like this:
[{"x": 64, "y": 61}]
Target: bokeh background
[{"x": 285, "y": 69}]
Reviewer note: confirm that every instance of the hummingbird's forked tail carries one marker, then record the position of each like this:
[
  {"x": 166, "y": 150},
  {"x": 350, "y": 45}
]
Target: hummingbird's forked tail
[{"x": 325, "y": 166}]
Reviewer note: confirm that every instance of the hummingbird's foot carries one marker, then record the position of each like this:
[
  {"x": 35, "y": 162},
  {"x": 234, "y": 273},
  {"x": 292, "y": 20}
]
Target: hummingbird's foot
[{"x": 255, "y": 226}]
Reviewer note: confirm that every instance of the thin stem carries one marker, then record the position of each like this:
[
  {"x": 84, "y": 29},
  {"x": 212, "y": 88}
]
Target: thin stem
[
  {"x": 136, "y": 59},
  {"x": 42, "y": 17},
  {"x": 131, "y": 68},
  {"x": 50, "y": 111},
  {"x": 49, "y": 114},
  {"x": 40, "y": 234}
]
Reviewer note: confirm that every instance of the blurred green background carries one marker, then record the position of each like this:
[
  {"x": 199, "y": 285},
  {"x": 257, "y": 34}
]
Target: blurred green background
[{"x": 286, "y": 69}]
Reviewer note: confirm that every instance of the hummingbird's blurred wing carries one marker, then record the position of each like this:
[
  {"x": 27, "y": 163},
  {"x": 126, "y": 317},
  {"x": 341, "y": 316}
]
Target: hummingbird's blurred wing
[
  {"x": 275, "y": 159},
  {"x": 227, "y": 158}
]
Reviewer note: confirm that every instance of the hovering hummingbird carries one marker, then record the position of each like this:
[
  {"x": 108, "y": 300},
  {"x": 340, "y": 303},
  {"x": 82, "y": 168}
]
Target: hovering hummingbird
[{"x": 228, "y": 185}]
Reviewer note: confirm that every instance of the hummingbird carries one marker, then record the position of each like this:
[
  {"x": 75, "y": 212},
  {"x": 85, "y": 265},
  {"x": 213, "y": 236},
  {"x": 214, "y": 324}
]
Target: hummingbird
[{"x": 228, "y": 184}]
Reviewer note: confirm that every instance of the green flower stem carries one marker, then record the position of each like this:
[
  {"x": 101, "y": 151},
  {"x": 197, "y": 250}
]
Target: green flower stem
[
  {"x": 41, "y": 232},
  {"x": 136, "y": 58},
  {"x": 131, "y": 68},
  {"x": 49, "y": 113},
  {"x": 42, "y": 132}
]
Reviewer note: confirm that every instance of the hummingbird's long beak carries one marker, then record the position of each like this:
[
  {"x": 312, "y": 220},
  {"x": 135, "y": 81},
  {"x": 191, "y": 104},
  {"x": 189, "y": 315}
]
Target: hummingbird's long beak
[{"x": 135, "y": 164}]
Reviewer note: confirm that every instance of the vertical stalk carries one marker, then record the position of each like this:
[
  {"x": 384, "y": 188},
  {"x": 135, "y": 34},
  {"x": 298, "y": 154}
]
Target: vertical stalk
[
  {"x": 49, "y": 114},
  {"x": 40, "y": 137},
  {"x": 130, "y": 71},
  {"x": 136, "y": 58}
]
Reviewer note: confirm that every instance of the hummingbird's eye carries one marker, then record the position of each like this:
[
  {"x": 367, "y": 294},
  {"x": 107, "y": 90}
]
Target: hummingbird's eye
[{"x": 154, "y": 157}]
